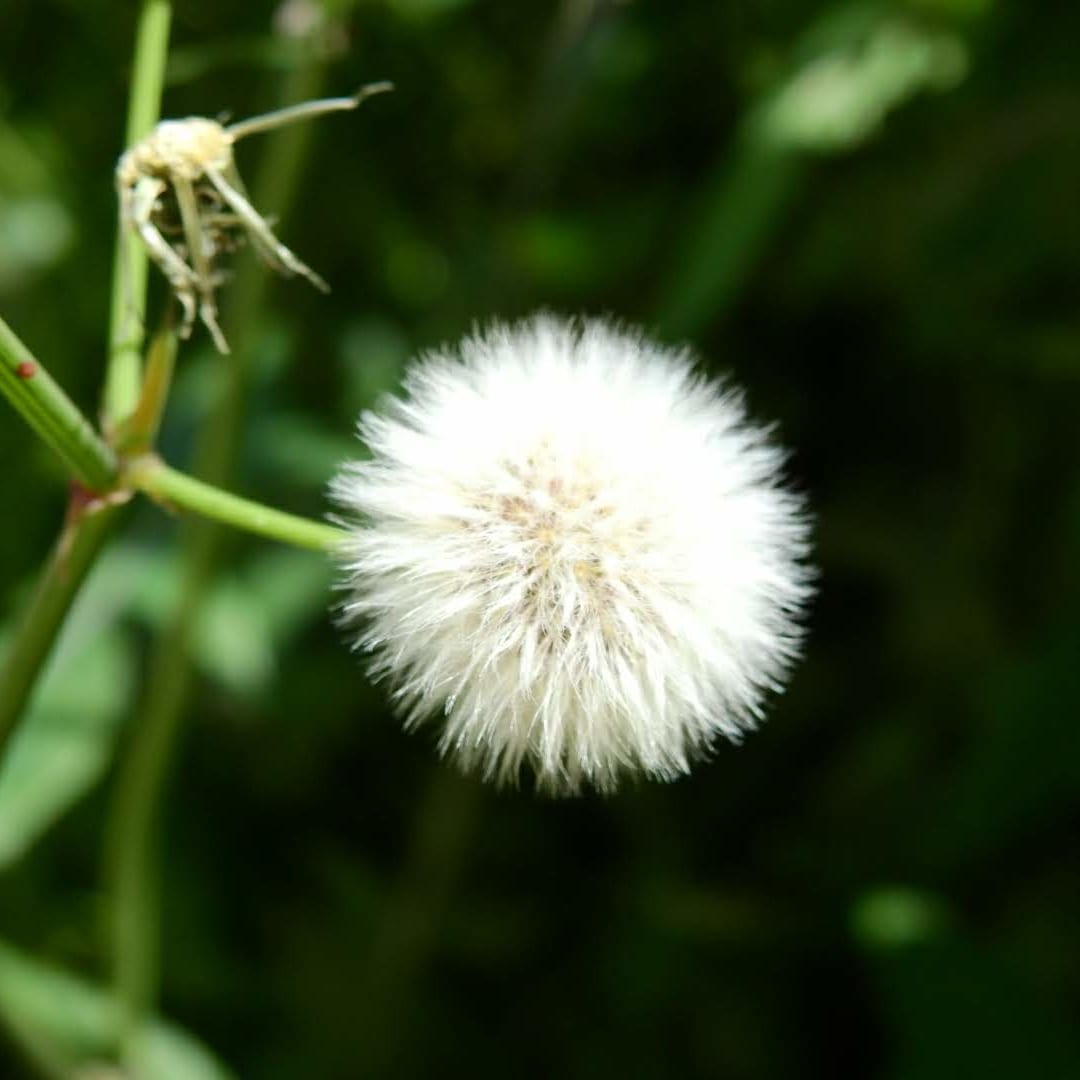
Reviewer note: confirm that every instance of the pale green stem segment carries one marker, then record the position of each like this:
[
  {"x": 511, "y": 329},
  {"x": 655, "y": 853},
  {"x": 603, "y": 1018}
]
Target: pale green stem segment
[
  {"x": 33, "y": 639},
  {"x": 128, "y": 305},
  {"x": 40, "y": 1054},
  {"x": 138, "y": 434},
  {"x": 152, "y": 476},
  {"x": 131, "y": 850},
  {"x": 53, "y": 415},
  {"x": 132, "y": 847},
  {"x": 746, "y": 197}
]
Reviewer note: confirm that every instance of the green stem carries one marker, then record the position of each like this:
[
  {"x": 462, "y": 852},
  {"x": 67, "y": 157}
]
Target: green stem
[
  {"x": 128, "y": 305},
  {"x": 133, "y": 817},
  {"x": 415, "y": 910},
  {"x": 36, "y": 1049},
  {"x": 138, "y": 434},
  {"x": 52, "y": 414},
  {"x": 130, "y": 854},
  {"x": 745, "y": 198},
  {"x": 71, "y": 561},
  {"x": 58, "y": 421},
  {"x": 155, "y": 478}
]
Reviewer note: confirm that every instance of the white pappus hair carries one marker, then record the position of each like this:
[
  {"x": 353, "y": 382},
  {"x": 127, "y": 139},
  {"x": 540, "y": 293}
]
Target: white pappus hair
[{"x": 575, "y": 551}]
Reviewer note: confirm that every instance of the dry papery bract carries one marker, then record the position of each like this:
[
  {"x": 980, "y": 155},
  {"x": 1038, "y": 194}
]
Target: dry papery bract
[{"x": 182, "y": 195}]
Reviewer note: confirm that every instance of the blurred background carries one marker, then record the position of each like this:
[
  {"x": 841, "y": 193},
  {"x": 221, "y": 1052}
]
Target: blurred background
[{"x": 868, "y": 214}]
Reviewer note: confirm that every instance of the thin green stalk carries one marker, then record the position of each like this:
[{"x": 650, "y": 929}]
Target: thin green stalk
[
  {"x": 745, "y": 198},
  {"x": 71, "y": 561},
  {"x": 52, "y": 414},
  {"x": 412, "y": 918},
  {"x": 155, "y": 478},
  {"x": 131, "y": 853},
  {"x": 35, "y": 1049},
  {"x": 565, "y": 72},
  {"x": 57, "y": 420},
  {"x": 59, "y": 423},
  {"x": 138, "y": 434},
  {"x": 128, "y": 305}
]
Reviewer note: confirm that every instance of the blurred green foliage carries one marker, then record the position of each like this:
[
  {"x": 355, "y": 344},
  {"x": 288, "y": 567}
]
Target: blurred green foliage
[{"x": 868, "y": 213}]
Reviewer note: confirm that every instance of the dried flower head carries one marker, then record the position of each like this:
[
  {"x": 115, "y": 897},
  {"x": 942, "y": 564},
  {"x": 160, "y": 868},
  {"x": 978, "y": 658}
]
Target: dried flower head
[
  {"x": 181, "y": 194},
  {"x": 575, "y": 549}
]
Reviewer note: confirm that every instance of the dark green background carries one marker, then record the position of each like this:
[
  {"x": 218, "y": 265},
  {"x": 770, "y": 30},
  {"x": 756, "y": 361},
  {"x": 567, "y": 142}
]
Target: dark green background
[{"x": 884, "y": 881}]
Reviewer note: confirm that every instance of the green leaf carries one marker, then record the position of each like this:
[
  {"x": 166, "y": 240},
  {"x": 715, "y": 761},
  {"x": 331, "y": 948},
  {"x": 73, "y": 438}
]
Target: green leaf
[
  {"x": 295, "y": 448},
  {"x": 956, "y": 1009},
  {"x": 66, "y": 738},
  {"x": 1023, "y": 772},
  {"x": 414, "y": 10},
  {"x": 374, "y": 353},
  {"x": 77, "y": 1023},
  {"x": 245, "y": 618},
  {"x": 248, "y": 618},
  {"x": 896, "y": 917},
  {"x": 291, "y": 588},
  {"x": 233, "y": 641},
  {"x": 841, "y": 96},
  {"x": 35, "y": 233}
]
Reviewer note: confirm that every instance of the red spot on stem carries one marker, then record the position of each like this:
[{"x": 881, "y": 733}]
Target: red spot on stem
[
  {"x": 79, "y": 497},
  {"x": 26, "y": 370}
]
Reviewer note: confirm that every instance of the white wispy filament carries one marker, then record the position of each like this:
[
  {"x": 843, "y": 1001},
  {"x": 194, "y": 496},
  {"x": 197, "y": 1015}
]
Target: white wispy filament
[{"x": 575, "y": 551}]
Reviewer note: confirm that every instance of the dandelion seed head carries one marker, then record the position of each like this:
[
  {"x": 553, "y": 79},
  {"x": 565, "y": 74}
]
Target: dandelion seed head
[{"x": 573, "y": 553}]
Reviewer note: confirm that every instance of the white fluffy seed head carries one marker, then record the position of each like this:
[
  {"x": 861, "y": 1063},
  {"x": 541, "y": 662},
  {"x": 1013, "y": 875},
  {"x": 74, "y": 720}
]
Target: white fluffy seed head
[{"x": 575, "y": 552}]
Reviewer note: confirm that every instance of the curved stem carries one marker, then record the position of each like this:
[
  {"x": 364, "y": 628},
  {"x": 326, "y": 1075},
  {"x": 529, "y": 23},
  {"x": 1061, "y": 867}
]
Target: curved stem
[
  {"x": 304, "y": 111},
  {"x": 58, "y": 421},
  {"x": 52, "y": 414},
  {"x": 128, "y": 305},
  {"x": 71, "y": 561},
  {"x": 160, "y": 481}
]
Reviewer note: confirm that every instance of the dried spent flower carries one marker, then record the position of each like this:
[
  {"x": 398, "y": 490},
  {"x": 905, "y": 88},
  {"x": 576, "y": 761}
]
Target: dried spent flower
[
  {"x": 576, "y": 550},
  {"x": 181, "y": 194}
]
